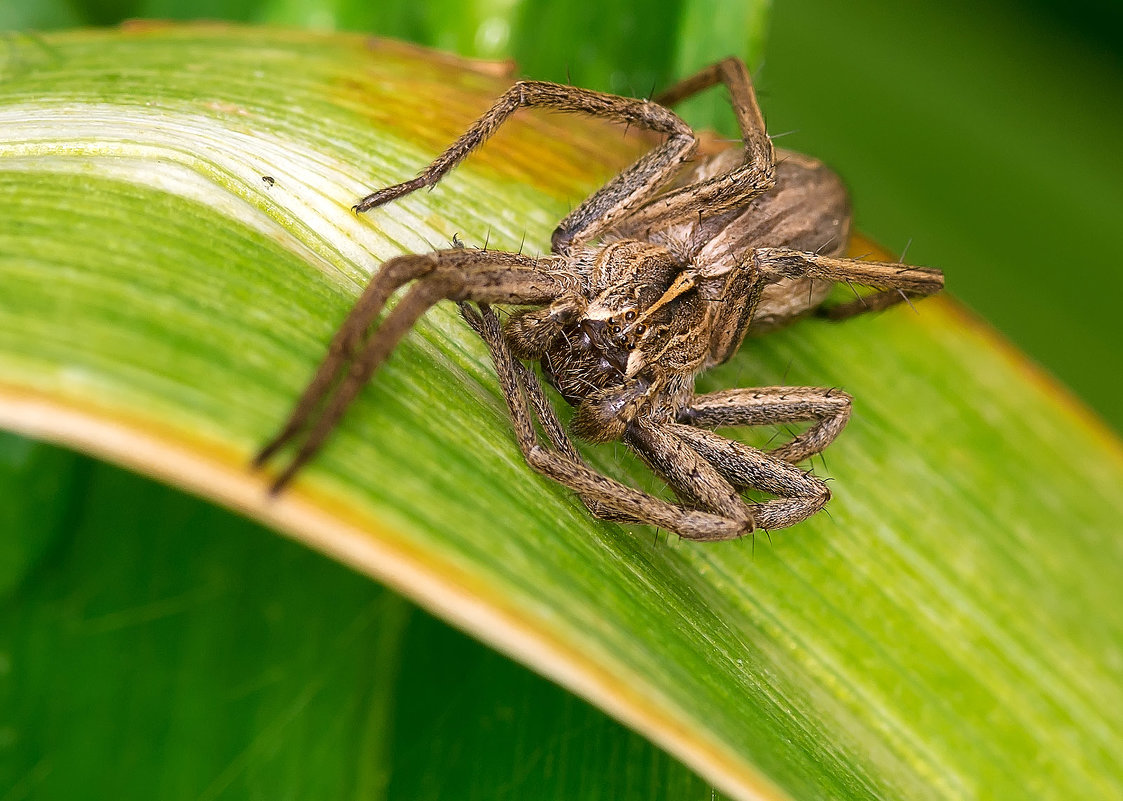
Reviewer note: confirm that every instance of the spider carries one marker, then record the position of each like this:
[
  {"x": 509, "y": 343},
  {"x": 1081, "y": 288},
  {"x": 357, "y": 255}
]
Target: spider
[{"x": 655, "y": 277}]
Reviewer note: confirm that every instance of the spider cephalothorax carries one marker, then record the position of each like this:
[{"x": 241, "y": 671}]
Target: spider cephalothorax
[
  {"x": 657, "y": 275},
  {"x": 614, "y": 348}
]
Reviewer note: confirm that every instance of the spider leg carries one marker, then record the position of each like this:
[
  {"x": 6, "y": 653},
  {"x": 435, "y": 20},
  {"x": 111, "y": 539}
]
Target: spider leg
[
  {"x": 827, "y": 409},
  {"x": 895, "y": 282},
  {"x": 735, "y": 75},
  {"x": 707, "y": 471},
  {"x": 771, "y": 268},
  {"x": 715, "y": 194},
  {"x": 516, "y": 380},
  {"x": 599, "y": 211},
  {"x": 347, "y": 338},
  {"x": 631, "y": 504},
  {"x": 358, "y": 348}
]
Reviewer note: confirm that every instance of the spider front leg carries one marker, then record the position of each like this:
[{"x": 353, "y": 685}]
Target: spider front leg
[
  {"x": 358, "y": 348},
  {"x": 754, "y": 175},
  {"x": 628, "y": 190},
  {"x": 827, "y": 409},
  {"x": 896, "y": 282}
]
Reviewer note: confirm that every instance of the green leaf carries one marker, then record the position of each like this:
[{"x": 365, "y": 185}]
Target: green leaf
[
  {"x": 171, "y": 649},
  {"x": 949, "y": 629}
]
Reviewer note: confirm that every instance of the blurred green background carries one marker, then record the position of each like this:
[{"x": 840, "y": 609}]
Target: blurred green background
[{"x": 986, "y": 133}]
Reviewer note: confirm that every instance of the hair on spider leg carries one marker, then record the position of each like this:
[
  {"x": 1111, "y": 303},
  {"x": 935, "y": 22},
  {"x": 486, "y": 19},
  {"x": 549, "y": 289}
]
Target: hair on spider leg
[
  {"x": 822, "y": 459},
  {"x": 819, "y": 249},
  {"x": 781, "y": 430},
  {"x": 857, "y": 294},
  {"x": 788, "y": 369},
  {"x": 905, "y": 252},
  {"x": 773, "y": 438}
]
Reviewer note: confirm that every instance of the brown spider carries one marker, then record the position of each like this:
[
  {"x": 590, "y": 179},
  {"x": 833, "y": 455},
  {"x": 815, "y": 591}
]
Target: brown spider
[{"x": 651, "y": 280}]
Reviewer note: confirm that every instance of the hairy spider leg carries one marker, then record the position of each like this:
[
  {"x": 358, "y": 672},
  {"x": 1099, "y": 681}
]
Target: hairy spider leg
[
  {"x": 358, "y": 349},
  {"x": 827, "y": 409},
  {"x": 896, "y": 282},
  {"x": 597, "y": 213},
  {"x": 708, "y": 471},
  {"x": 719, "y": 193},
  {"x": 516, "y": 377}
]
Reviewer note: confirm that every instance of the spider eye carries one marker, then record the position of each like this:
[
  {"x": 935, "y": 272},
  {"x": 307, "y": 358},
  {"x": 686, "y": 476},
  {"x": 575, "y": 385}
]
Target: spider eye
[
  {"x": 616, "y": 329},
  {"x": 640, "y": 330},
  {"x": 629, "y": 316}
]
